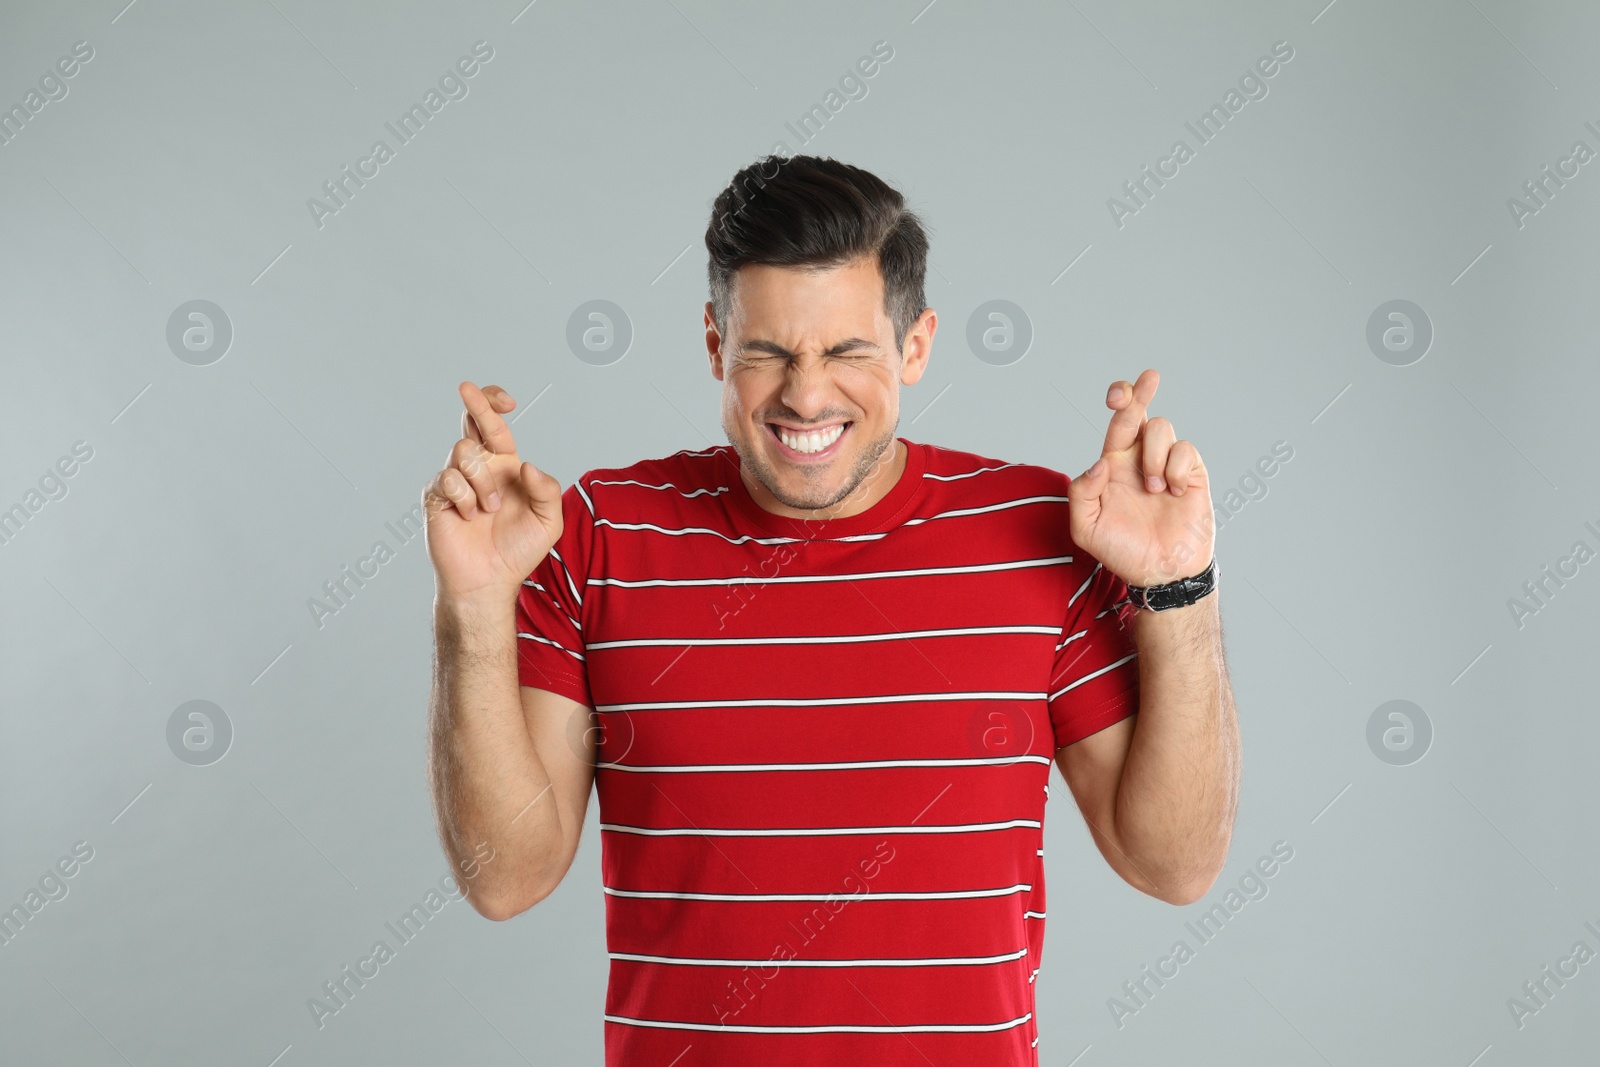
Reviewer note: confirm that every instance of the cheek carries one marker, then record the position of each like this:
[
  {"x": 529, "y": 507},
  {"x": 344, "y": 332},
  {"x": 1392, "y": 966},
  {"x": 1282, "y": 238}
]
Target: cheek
[
  {"x": 744, "y": 396},
  {"x": 869, "y": 391}
]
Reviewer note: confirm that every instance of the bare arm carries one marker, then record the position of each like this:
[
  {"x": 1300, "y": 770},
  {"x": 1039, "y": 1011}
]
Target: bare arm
[
  {"x": 1159, "y": 796},
  {"x": 510, "y": 767},
  {"x": 1159, "y": 789}
]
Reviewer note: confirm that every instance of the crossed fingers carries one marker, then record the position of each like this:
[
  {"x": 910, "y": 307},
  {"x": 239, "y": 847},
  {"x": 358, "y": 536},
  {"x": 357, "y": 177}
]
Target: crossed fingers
[{"x": 1165, "y": 462}]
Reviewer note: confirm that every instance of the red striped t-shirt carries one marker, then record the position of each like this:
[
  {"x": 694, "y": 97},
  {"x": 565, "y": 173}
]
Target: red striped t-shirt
[{"x": 825, "y": 751}]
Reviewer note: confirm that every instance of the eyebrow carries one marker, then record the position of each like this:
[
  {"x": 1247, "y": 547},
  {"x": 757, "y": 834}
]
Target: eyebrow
[{"x": 849, "y": 344}]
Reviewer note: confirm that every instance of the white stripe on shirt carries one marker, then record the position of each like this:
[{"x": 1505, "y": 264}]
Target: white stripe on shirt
[
  {"x": 910, "y": 1028},
  {"x": 829, "y": 639},
  {"x": 977, "y": 761},
  {"x": 953, "y": 894},
  {"x": 930, "y": 961},
  {"x": 1094, "y": 674},
  {"x": 816, "y": 831},
  {"x": 547, "y": 641},
  {"x": 665, "y": 485},
  {"x": 979, "y": 568},
  {"x": 783, "y": 702}
]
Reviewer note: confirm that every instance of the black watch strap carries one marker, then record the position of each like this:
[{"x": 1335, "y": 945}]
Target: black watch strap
[{"x": 1181, "y": 593}]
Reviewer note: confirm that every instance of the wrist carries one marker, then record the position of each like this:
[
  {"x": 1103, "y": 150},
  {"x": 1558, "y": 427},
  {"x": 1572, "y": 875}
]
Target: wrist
[
  {"x": 1176, "y": 592},
  {"x": 476, "y": 611}
]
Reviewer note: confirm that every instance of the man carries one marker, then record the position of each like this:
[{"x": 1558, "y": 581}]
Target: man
[{"x": 818, "y": 676}]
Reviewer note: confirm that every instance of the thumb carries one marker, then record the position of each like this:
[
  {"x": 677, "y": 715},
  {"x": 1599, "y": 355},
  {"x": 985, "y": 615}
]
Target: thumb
[
  {"x": 1083, "y": 493},
  {"x": 1090, "y": 483},
  {"x": 544, "y": 494}
]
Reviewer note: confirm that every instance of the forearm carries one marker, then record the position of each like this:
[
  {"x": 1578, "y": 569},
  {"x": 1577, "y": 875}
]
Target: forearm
[
  {"x": 489, "y": 785},
  {"x": 1180, "y": 783}
]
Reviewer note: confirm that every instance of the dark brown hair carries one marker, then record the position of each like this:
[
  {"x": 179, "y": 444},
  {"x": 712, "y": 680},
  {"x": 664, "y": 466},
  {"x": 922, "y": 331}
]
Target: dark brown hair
[{"x": 817, "y": 212}]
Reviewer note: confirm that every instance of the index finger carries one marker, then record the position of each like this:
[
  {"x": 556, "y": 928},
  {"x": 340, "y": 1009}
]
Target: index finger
[
  {"x": 499, "y": 399},
  {"x": 1130, "y": 418},
  {"x": 495, "y": 434}
]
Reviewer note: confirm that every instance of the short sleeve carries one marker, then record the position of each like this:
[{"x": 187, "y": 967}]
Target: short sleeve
[
  {"x": 1095, "y": 680},
  {"x": 549, "y": 611}
]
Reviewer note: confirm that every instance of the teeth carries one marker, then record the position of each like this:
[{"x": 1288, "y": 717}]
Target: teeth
[{"x": 810, "y": 442}]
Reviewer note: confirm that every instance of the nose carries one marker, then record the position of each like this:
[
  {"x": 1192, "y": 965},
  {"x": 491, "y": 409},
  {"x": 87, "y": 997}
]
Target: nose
[{"x": 807, "y": 388}]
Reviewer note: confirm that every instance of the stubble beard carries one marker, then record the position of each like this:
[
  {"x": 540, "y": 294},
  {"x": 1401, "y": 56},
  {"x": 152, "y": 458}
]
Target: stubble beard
[{"x": 754, "y": 461}]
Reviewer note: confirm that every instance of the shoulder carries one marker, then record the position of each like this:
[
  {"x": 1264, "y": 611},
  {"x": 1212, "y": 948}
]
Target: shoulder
[
  {"x": 685, "y": 477},
  {"x": 973, "y": 474},
  {"x": 1020, "y": 505}
]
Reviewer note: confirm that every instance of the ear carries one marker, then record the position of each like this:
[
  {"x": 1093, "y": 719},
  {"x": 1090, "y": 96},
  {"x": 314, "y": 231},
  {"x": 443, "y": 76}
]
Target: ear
[
  {"x": 918, "y": 347},
  {"x": 713, "y": 343}
]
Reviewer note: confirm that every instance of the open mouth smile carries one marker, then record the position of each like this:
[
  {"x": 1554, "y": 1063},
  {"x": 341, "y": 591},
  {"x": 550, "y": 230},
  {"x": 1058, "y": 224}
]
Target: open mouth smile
[{"x": 813, "y": 446}]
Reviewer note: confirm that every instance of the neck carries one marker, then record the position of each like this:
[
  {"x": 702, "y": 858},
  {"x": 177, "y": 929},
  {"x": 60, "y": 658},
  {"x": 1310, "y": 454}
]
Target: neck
[{"x": 884, "y": 476}]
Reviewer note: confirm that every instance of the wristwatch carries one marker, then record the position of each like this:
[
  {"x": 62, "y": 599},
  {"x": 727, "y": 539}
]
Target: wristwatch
[{"x": 1181, "y": 593}]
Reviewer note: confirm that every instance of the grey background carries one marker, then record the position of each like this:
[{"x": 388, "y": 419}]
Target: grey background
[{"x": 1377, "y": 566}]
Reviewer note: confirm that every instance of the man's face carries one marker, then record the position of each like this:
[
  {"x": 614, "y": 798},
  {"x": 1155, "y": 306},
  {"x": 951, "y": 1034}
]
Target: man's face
[{"x": 813, "y": 353}]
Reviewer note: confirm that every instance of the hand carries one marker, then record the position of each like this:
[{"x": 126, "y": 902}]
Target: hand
[
  {"x": 1146, "y": 533},
  {"x": 491, "y": 518}
]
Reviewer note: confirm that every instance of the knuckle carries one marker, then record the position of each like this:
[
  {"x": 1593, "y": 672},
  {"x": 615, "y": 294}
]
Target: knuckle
[{"x": 469, "y": 457}]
